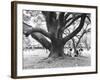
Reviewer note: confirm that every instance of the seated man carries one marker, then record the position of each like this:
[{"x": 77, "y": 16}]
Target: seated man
[
  {"x": 80, "y": 51},
  {"x": 77, "y": 53},
  {"x": 72, "y": 54}
]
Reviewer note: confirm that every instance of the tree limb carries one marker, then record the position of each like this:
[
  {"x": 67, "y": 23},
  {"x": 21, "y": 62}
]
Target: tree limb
[
  {"x": 67, "y": 15},
  {"x": 32, "y": 30},
  {"x": 71, "y": 22},
  {"x": 51, "y": 22},
  {"x": 80, "y": 38},
  {"x": 85, "y": 31},
  {"x": 88, "y": 18},
  {"x": 42, "y": 40},
  {"x": 61, "y": 22},
  {"x": 71, "y": 35},
  {"x": 68, "y": 20}
]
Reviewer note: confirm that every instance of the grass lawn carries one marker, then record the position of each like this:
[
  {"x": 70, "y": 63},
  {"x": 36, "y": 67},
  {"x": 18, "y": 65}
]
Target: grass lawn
[{"x": 32, "y": 60}]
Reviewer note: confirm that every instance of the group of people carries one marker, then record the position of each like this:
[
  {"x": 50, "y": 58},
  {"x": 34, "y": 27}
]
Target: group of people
[{"x": 72, "y": 53}]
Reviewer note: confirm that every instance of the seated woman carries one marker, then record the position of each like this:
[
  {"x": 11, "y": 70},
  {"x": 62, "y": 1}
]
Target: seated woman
[{"x": 69, "y": 51}]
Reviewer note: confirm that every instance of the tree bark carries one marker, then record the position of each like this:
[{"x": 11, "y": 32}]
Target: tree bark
[
  {"x": 56, "y": 49},
  {"x": 74, "y": 47},
  {"x": 42, "y": 40}
]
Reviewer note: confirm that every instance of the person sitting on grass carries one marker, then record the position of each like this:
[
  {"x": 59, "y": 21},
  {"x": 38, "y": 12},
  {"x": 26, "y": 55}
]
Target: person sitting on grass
[
  {"x": 71, "y": 52},
  {"x": 77, "y": 53},
  {"x": 80, "y": 51}
]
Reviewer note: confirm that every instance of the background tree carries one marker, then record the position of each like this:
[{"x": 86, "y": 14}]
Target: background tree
[{"x": 56, "y": 23}]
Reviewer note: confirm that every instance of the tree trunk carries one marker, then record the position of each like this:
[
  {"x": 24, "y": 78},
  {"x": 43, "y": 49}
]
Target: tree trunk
[
  {"x": 74, "y": 47},
  {"x": 57, "y": 49}
]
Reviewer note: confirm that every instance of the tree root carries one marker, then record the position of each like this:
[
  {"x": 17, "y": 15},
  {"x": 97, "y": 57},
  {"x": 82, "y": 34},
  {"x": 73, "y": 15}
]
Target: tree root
[
  {"x": 47, "y": 60},
  {"x": 51, "y": 59}
]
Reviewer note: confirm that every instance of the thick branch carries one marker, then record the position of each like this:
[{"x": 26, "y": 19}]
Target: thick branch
[
  {"x": 68, "y": 20},
  {"x": 88, "y": 18},
  {"x": 51, "y": 22},
  {"x": 61, "y": 19},
  {"x": 45, "y": 13},
  {"x": 42, "y": 40},
  {"x": 80, "y": 38},
  {"x": 71, "y": 35},
  {"x": 67, "y": 15},
  {"x": 32, "y": 30},
  {"x": 61, "y": 22},
  {"x": 85, "y": 31},
  {"x": 71, "y": 22},
  {"x": 73, "y": 40}
]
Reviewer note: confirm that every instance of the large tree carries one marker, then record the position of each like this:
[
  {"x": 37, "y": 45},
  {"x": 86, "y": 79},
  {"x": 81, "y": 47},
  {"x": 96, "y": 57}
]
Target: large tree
[{"x": 56, "y": 23}]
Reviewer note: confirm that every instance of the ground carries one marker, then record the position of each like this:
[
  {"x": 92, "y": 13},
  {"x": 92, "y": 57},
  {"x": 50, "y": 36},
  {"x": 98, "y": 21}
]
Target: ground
[{"x": 33, "y": 59}]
